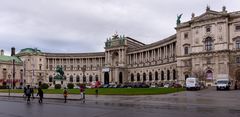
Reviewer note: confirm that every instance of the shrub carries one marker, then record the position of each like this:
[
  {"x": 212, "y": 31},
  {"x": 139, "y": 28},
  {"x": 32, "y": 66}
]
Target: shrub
[
  {"x": 57, "y": 86},
  {"x": 3, "y": 87},
  {"x": 70, "y": 85},
  {"x": 44, "y": 86}
]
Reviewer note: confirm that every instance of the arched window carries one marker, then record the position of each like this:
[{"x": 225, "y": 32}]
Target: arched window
[
  {"x": 208, "y": 43},
  {"x": 132, "y": 77},
  {"x": 50, "y": 78},
  {"x": 144, "y": 77},
  {"x": 90, "y": 78},
  {"x": 65, "y": 77},
  {"x": 209, "y": 75},
  {"x": 156, "y": 76},
  {"x": 168, "y": 75},
  {"x": 150, "y": 76},
  {"x": 71, "y": 78},
  {"x": 96, "y": 77},
  {"x": 162, "y": 75},
  {"x": 138, "y": 77},
  {"x": 77, "y": 78},
  {"x": 174, "y": 74}
]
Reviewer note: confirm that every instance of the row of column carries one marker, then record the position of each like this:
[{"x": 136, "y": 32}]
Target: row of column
[
  {"x": 154, "y": 54},
  {"x": 76, "y": 61}
]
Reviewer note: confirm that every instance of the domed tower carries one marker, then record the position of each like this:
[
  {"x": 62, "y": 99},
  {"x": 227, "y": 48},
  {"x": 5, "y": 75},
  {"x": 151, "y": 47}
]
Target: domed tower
[{"x": 33, "y": 65}]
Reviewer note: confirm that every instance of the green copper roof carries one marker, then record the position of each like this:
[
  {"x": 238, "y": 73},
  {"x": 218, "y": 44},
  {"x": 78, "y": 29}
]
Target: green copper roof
[
  {"x": 9, "y": 59},
  {"x": 31, "y": 50}
]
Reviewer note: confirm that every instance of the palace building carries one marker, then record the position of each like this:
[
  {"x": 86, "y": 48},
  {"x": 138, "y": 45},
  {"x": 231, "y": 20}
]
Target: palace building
[{"x": 206, "y": 46}]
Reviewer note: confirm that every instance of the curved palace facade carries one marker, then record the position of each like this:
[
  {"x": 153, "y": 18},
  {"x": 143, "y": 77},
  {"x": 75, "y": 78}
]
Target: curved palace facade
[{"x": 206, "y": 46}]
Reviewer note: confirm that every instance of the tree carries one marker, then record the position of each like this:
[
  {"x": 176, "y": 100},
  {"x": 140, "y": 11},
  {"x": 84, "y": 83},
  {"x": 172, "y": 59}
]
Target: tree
[{"x": 199, "y": 73}]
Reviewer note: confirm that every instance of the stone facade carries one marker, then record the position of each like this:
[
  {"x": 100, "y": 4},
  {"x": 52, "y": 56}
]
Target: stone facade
[{"x": 205, "y": 46}]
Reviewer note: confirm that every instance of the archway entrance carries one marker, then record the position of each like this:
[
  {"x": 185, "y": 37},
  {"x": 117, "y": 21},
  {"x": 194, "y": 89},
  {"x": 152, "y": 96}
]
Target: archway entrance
[
  {"x": 209, "y": 75},
  {"x": 106, "y": 78},
  {"x": 237, "y": 77},
  {"x": 39, "y": 83},
  {"x": 186, "y": 76},
  {"x": 120, "y": 78}
]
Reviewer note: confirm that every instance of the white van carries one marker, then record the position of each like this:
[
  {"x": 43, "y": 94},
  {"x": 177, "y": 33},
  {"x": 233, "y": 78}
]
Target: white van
[
  {"x": 192, "y": 83},
  {"x": 223, "y": 82}
]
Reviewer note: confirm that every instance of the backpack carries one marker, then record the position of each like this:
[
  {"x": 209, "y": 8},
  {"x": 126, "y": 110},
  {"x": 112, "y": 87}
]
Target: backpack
[
  {"x": 28, "y": 92},
  {"x": 65, "y": 93}
]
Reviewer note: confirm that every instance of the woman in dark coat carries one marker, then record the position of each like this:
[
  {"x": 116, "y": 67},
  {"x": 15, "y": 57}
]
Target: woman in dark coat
[{"x": 40, "y": 94}]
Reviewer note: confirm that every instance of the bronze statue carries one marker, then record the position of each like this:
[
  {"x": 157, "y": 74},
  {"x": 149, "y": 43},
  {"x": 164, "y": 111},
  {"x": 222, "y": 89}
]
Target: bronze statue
[
  {"x": 178, "y": 18},
  {"x": 60, "y": 70},
  {"x": 60, "y": 73}
]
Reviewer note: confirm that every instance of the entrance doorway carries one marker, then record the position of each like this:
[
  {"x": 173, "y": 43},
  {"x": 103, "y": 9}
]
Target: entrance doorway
[
  {"x": 186, "y": 76},
  {"x": 39, "y": 83},
  {"x": 106, "y": 77},
  {"x": 120, "y": 78}
]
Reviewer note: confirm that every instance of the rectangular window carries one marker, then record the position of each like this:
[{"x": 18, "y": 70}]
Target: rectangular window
[
  {"x": 237, "y": 44},
  {"x": 185, "y": 50},
  {"x": 185, "y": 35},
  {"x": 237, "y": 27},
  {"x": 237, "y": 59},
  {"x": 208, "y": 28}
]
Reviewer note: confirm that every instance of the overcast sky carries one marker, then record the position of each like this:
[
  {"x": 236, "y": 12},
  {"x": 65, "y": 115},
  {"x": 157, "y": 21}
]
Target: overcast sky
[{"x": 84, "y": 25}]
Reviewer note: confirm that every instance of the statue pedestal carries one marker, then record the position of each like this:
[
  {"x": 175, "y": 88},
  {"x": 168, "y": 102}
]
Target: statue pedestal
[{"x": 61, "y": 82}]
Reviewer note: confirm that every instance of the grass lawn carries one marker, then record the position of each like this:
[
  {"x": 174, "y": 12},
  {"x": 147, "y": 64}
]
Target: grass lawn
[{"x": 108, "y": 91}]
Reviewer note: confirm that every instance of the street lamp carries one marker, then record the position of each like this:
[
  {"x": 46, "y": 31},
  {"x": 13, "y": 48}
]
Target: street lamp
[{"x": 9, "y": 76}]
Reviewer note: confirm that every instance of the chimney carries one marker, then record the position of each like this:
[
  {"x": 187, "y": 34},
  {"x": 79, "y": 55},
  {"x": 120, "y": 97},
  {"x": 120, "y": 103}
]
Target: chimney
[
  {"x": 2, "y": 52},
  {"x": 12, "y": 51}
]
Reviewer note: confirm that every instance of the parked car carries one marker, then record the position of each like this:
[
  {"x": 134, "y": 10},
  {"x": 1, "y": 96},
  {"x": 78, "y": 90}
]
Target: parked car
[{"x": 76, "y": 87}]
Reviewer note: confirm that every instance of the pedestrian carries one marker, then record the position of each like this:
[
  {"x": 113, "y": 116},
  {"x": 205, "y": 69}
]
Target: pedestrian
[
  {"x": 40, "y": 94},
  {"x": 236, "y": 85},
  {"x": 28, "y": 93},
  {"x": 24, "y": 92},
  {"x": 32, "y": 92},
  {"x": 96, "y": 91},
  {"x": 81, "y": 91},
  {"x": 65, "y": 94}
]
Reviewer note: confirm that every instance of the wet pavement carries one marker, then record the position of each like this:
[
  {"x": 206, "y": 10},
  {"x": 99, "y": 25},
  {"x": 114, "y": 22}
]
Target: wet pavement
[{"x": 203, "y": 103}]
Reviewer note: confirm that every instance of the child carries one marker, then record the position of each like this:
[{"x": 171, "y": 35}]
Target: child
[{"x": 65, "y": 94}]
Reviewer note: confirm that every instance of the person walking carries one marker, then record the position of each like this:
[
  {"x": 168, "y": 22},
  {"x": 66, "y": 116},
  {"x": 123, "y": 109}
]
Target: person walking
[
  {"x": 40, "y": 94},
  {"x": 65, "y": 94},
  {"x": 24, "y": 92},
  {"x": 236, "y": 85},
  {"x": 28, "y": 93},
  {"x": 81, "y": 92},
  {"x": 32, "y": 92}
]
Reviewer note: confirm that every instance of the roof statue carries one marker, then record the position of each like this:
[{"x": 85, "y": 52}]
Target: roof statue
[
  {"x": 178, "y": 19},
  {"x": 208, "y": 8}
]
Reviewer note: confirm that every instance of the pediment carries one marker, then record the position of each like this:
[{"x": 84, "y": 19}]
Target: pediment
[{"x": 208, "y": 15}]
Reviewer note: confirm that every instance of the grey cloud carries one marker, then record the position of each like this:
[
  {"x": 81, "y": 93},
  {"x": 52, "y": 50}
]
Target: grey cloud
[{"x": 84, "y": 25}]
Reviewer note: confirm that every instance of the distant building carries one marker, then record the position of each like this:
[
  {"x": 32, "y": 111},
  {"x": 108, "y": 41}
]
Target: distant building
[{"x": 205, "y": 46}]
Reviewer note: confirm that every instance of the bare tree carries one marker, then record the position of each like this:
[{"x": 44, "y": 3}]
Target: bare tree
[{"x": 199, "y": 73}]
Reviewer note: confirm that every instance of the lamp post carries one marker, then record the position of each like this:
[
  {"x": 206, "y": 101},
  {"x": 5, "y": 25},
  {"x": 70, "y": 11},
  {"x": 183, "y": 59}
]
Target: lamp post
[
  {"x": 84, "y": 70},
  {"x": 9, "y": 76}
]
